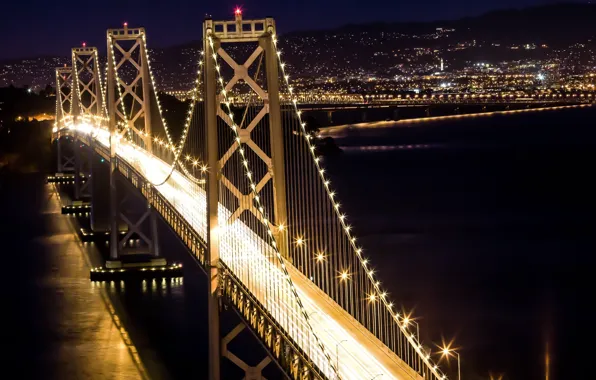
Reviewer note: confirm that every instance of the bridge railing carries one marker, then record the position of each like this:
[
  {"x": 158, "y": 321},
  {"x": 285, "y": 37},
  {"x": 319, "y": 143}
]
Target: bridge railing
[{"x": 292, "y": 359}]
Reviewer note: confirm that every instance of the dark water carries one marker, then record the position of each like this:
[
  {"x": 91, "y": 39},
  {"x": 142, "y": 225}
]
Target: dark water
[{"x": 486, "y": 234}]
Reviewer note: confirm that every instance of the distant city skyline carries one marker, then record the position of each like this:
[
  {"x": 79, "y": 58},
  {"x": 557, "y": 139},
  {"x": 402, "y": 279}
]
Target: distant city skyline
[{"x": 35, "y": 27}]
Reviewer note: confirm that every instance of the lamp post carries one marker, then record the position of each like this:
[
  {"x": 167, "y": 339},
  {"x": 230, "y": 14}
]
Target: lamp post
[
  {"x": 407, "y": 321},
  {"x": 417, "y": 330},
  {"x": 448, "y": 352},
  {"x": 337, "y": 354}
]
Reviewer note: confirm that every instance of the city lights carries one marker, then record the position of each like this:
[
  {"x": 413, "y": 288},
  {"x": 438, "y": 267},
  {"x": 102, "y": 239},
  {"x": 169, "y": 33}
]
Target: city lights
[{"x": 171, "y": 170}]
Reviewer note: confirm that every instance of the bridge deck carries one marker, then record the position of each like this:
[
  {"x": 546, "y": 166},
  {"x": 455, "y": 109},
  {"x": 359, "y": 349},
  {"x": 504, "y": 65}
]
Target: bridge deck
[{"x": 360, "y": 354}]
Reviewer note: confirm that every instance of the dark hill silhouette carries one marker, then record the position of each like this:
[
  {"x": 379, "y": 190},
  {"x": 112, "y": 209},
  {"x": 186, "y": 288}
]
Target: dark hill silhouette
[{"x": 559, "y": 24}]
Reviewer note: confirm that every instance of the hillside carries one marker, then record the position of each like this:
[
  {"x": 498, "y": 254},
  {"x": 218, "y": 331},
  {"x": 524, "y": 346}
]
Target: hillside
[
  {"x": 557, "y": 24},
  {"x": 537, "y": 34}
]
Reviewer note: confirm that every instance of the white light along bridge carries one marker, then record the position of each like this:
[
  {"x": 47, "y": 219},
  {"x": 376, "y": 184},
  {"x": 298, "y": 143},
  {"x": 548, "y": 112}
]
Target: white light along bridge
[{"x": 245, "y": 189}]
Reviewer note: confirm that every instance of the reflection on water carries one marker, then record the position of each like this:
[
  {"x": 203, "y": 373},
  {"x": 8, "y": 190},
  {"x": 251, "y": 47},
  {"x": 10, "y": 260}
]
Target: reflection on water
[
  {"x": 390, "y": 147},
  {"x": 59, "y": 325},
  {"x": 485, "y": 246},
  {"x": 162, "y": 287}
]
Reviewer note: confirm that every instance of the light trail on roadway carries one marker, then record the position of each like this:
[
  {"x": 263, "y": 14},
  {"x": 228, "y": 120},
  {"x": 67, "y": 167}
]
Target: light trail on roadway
[{"x": 356, "y": 352}]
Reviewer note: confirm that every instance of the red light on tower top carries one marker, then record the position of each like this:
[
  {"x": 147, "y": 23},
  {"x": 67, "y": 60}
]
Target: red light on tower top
[
  {"x": 238, "y": 14},
  {"x": 125, "y": 24},
  {"x": 84, "y": 44}
]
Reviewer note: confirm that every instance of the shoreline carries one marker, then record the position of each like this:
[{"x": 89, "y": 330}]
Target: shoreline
[{"x": 333, "y": 131}]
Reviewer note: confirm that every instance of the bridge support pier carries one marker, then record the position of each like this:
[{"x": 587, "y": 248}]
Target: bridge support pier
[
  {"x": 100, "y": 200},
  {"x": 134, "y": 244},
  {"x": 82, "y": 190},
  {"x": 250, "y": 373},
  {"x": 143, "y": 227},
  {"x": 64, "y": 163}
]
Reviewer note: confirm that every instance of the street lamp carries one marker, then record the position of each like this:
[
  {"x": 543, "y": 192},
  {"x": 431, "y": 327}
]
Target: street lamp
[
  {"x": 417, "y": 330},
  {"x": 337, "y": 354},
  {"x": 407, "y": 321},
  {"x": 446, "y": 351}
]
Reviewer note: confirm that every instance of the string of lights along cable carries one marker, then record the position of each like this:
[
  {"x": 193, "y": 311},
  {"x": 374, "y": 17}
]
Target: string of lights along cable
[
  {"x": 283, "y": 236},
  {"x": 326, "y": 249},
  {"x": 293, "y": 322},
  {"x": 168, "y": 151}
]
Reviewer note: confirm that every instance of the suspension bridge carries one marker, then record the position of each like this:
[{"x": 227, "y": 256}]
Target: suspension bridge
[{"x": 245, "y": 189}]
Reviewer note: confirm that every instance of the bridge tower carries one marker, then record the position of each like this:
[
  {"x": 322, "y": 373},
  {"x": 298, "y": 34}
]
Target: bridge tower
[
  {"x": 88, "y": 97},
  {"x": 127, "y": 50},
  {"x": 64, "y": 95},
  {"x": 269, "y": 150},
  {"x": 129, "y": 93},
  {"x": 87, "y": 101}
]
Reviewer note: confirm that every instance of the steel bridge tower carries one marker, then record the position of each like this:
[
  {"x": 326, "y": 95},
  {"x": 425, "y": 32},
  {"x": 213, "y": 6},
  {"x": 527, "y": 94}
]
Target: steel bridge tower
[
  {"x": 64, "y": 100},
  {"x": 215, "y": 35},
  {"x": 126, "y": 47},
  {"x": 87, "y": 101},
  {"x": 87, "y": 97}
]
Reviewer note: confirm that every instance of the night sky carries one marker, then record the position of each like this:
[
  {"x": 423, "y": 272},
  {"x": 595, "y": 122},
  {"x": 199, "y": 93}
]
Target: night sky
[{"x": 31, "y": 28}]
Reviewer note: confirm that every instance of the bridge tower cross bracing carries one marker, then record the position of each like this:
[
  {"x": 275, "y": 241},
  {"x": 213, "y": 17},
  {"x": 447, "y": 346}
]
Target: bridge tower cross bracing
[
  {"x": 120, "y": 124},
  {"x": 64, "y": 100},
  {"x": 63, "y": 97},
  {"x": 262, "y": 32},
  {"x": 87, "y": 83},
  {"x": 240, "y": 31},
  {"x": 87, "y": 99},
  {"x": 133, "y": 58}
]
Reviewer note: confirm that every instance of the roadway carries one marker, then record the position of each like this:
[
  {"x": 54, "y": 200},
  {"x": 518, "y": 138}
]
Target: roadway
[{"x": 359, "y": 354}]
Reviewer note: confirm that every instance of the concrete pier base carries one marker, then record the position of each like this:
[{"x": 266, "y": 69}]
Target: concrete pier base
[{"x": 136, "y": 268}]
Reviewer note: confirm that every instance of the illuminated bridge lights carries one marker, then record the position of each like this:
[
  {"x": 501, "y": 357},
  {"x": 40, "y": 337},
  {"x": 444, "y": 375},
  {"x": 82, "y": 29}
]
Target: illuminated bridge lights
[
  {"x": 360, "y": 357},
  {"x": 76, "y": 209},
  {"x": 63, "y": 179},
  {"x": 89, "y": 236},
  {"x": 136, "y": 272}
]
